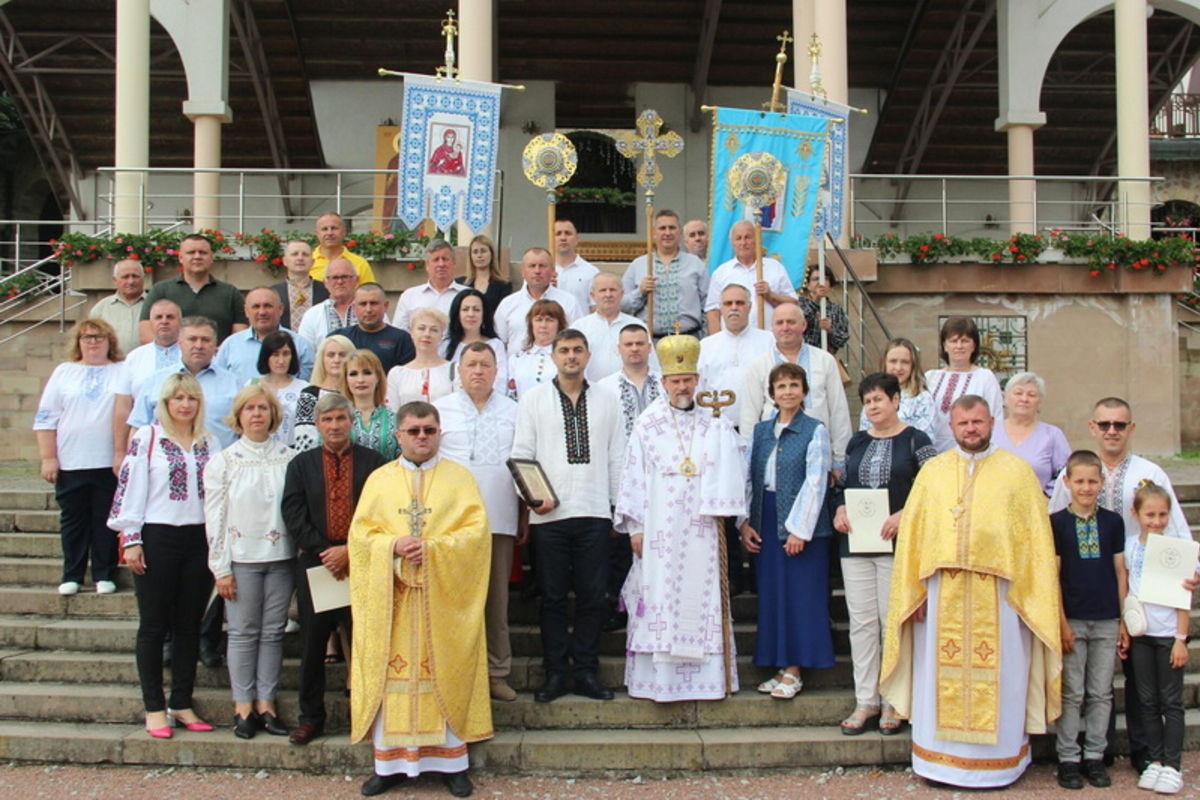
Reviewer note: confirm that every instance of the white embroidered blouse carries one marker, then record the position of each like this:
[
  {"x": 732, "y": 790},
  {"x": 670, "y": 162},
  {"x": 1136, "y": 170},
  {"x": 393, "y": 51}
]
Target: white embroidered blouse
[{"x": 243, "y": 486}]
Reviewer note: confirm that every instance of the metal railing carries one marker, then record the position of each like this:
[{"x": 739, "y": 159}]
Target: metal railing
[
  {"x": 978, "y": 205},
  {"x": 869, "y": 334},
  {"x": 1179, "y": 118}
]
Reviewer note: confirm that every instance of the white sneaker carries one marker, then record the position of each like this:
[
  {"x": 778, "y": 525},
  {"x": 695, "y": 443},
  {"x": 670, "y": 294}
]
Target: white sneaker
[
  {"x": 68, "y": 587},
  {"x": 292, "y": 626},
  {"x": 105, "y": 587},
  {"x": 1170, "y": 781},
  {"x": 1149, "y": 778}
]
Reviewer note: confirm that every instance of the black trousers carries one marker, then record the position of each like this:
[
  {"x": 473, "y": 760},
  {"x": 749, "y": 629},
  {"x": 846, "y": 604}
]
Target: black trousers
[
  {"x": 572, "y": 556},
  {"x": 1160, "y": 694},
  {"x": 84, "y": 497},
  {"x": 171, "y": 596},
  {"x": 315, "y": 630},
  {"x": 620, "y": 560}
]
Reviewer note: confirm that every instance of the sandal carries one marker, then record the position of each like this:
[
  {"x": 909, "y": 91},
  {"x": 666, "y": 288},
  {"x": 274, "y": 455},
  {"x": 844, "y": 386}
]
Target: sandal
[
  {"x": 766, "y": 687},
  {"x": 789, "y": 686},
  {"x": 889, "y": 723},
  {"x": 862, "y": 720}
]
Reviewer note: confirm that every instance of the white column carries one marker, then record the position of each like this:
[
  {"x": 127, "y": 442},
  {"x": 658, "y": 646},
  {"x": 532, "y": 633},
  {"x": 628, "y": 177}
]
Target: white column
[
  {"x": 476, "y": 59},
  {"x": 802, "y": 30},
  {"x": 1021, "y": 194},
  {"x": 206, "y": 186},
  {"x": 829, "y": 21},
  {"x": 132, "y": 129},
  {"x": 1133, "y": 118}
]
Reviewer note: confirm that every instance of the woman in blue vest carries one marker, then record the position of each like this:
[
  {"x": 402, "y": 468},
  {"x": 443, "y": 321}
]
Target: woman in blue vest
[{"x": 790, "y": 532}]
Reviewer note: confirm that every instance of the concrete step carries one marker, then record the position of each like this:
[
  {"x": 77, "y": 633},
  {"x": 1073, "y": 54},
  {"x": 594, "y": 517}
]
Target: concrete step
[
  {"x": 30, "y": 545},
  {"x": 47, "y": 572},
  {"x": 559, "y": 752},
  {"x": 46, "y": 601},
  {"x": 27, "y": 500},
  {"x": 1192, "y": 512},
  {"x": 33, "y": 521},
  {"x": 1187, "y": 492}
]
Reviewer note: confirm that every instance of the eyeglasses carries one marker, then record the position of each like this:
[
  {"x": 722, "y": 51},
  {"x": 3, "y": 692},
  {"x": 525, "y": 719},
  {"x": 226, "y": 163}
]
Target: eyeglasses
[
  {"x": 339, "y": 277},
  {"x": 1105, "y": 426},
  {"x": 426, "y": 430},
  {"x": 93, "y": 337}
]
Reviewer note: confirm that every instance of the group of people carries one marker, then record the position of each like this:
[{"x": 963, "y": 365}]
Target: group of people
[{"x": 230, "y": 449}]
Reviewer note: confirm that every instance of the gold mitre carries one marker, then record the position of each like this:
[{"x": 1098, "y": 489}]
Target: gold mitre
[{"x": 678, "y": 354}]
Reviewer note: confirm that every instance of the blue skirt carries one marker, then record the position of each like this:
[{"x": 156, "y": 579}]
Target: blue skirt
[{"x": 793, "y": 599}]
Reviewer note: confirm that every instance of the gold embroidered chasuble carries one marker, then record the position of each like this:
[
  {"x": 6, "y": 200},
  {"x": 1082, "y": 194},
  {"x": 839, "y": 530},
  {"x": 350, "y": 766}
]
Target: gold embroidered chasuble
[
  {"x": 977, "y": 527},
  {"x": 419, "y": 655}
]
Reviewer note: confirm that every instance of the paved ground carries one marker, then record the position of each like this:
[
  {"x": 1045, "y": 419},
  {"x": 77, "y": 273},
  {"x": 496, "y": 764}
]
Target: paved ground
[{"x": 28, "y": 782}]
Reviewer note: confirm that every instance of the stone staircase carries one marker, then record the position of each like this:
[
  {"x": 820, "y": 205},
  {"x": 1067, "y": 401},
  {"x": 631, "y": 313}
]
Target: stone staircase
[{"x": 69, "y": 691}]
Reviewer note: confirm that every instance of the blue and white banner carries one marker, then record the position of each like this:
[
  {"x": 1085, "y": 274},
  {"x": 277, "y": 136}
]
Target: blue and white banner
[
  {"x": 449, "y": 138},
  {"x": 833, "y": 182},
  {"x": 798, "y": 142}
]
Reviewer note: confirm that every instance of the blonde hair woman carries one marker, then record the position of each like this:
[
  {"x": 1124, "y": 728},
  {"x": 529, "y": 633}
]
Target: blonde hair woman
[
  {"x": 158, "y": 509},
  {"x": 326, "y": 378},
  {"x": 428, "y": 377},
  {"x": 250, "y": 554},
  {"x": 373, "y": 424},
  {"x": 73, "y": 426}
]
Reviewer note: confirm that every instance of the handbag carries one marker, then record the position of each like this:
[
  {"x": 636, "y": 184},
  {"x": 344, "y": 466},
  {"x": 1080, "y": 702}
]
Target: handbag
[{"x": 1134, "y": 616}]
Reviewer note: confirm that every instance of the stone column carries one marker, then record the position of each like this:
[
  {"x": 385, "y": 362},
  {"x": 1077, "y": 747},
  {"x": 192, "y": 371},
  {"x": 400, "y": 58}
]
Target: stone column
[
  {"x": 1133, "y": 118},
  {"x": 802, "y": 30},
  {"x": 132, "y": 112},
  {"x": 1022, "y": 211},
  {"x": 206, "y": 186},
  {"x": 829, "y": 21},
  {"x": 476, "y": 59}
]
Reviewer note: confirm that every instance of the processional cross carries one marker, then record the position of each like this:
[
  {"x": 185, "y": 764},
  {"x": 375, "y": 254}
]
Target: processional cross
[{"x": 646, "y": 145}]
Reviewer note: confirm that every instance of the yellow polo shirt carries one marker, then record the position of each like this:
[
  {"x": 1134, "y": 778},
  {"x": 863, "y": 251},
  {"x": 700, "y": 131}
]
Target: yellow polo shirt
[{"x": 320, "y": 262}]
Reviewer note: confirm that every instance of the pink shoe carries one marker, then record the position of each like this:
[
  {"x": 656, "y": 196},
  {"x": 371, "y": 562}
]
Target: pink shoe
[
  {"x": 160, "y": 733},
  {"x": 197, "y": 726}
]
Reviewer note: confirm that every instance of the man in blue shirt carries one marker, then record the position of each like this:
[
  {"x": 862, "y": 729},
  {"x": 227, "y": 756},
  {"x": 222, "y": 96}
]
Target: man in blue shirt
[
  {"x": 239, "y": 352},
  {"x": 197, "y": 344}
]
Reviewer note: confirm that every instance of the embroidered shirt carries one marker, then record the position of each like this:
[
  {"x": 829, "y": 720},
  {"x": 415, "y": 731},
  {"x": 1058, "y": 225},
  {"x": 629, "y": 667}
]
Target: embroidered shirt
[{"x": 338, "y": 469}]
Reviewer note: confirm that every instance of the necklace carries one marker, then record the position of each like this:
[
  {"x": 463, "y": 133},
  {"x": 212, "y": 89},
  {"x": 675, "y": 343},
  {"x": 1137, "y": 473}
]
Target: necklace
[
  {"x": 687, "y": 467},
  {"x": 958, "y": 509}
]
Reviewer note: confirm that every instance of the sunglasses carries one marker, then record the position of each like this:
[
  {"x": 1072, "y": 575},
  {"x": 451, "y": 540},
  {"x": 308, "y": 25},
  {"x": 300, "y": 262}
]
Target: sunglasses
[
  {"x": 1105, "y": 426},
  {"x": 427, "y": 430}
]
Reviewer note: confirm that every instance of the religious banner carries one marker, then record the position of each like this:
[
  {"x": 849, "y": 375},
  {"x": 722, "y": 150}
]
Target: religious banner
[
  {"x": 797, "y": 142},
  {"x": 450, "y": 134},
  {"x": 831, "y": 210}
]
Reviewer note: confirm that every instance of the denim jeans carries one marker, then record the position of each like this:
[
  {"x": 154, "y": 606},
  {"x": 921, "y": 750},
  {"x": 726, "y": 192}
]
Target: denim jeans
[{"x": 1087, "y": 689}]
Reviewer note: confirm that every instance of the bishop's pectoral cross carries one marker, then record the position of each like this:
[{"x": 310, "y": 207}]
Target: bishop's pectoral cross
[{"x": 416, "y": 517}]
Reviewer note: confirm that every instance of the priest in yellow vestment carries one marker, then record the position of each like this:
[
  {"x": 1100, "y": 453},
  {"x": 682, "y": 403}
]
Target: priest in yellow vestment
[
  {"x": 972, "y": 654},
  {"x": 420, "y": 556}
]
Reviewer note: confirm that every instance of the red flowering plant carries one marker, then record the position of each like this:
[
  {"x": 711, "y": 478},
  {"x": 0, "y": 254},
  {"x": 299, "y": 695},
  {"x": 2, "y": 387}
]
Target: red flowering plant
[
  {"x": 928, "y": 247},
  {"x": 266, "y": 247},
  {"x": 156, "y": 248},
  {"x": 1022, "y": 248}
]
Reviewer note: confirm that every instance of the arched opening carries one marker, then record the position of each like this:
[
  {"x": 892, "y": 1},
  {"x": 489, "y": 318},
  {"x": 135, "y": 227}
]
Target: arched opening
[
  {"x": 600, "y": 197},
  {"x": 1175, "y": 217}
]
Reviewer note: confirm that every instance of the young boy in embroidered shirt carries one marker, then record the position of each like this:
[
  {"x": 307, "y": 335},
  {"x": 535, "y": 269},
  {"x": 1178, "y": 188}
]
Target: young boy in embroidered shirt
[{"x": 1090, "y": 543}]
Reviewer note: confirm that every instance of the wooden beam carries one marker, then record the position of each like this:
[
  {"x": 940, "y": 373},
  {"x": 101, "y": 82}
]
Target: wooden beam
[{"x": 704, "y": 51}]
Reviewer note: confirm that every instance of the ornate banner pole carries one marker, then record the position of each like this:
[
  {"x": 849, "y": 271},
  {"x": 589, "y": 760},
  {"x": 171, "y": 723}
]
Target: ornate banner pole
[
  {"x": 716, "y": 400},
  {"x": 549, "y": 161},
  {"x": 780, "y": 59},
  {"x": 814, "y": 85},
  {"x": 646, "y": 144}
]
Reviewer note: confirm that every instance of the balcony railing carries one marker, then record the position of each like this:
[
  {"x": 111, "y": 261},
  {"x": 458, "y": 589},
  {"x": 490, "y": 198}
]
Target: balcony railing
[{"x": 1179, "y": 118}]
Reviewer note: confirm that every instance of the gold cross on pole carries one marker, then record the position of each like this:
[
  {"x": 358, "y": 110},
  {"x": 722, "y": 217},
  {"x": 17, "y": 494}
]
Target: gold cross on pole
[
  {"x": 449, "y": 31},
  {"x": 781, "y": 58},
  {"x": 646, "y": 145}
]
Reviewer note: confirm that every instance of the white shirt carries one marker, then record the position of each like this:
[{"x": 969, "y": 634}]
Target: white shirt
[
  {"x": 143, "y": 362},
  {"x": 735, "y": 272},
  {"x": 482, "y": 442},
  {"x": 243, "y": 485},
  {"x": 528, "y": 368},
  {"x": 406, "y": 384},
  {"x": 160, "y": 483},
  {"x": 124, "y": 318},
  {"x": 322, "y": 319},
  {"x": 724, "y": 359},
  {"x": 510, "y": 314},
  {"x": 631, "y": 400},
  {"x": 77, "y": 404},
  {"x": 576, "y": 279},
  {"x": 585, "y": 473},
  {"x": 825, "y": 401},
  {"x": 603, "y": 337},
  {"x": 424, "y": 296}
]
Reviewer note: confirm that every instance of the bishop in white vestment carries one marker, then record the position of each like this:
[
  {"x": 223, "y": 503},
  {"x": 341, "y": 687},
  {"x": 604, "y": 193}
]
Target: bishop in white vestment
[{"x": 683, "y": 469}]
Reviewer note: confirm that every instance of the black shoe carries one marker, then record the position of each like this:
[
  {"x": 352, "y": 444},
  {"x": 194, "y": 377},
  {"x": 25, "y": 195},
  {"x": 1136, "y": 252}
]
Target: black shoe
[
  {"x": 210, "y": 657},
  {"x": 554, "y": 688},
  {"x": 1096, "y": 774},
  {"x": 1068, "y": 775},
  {"x": 245, "y": 727},
  {"x": 616, "y": 622},
  {"x": 458, "y": 783},
  {"x": 305, "y": 732},
  {"x": 378, "y": 784},
  {"x": 271, "y": 724},
  {"x": 1139, "y": 760},
  {"x": 588, "y": 685}
]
